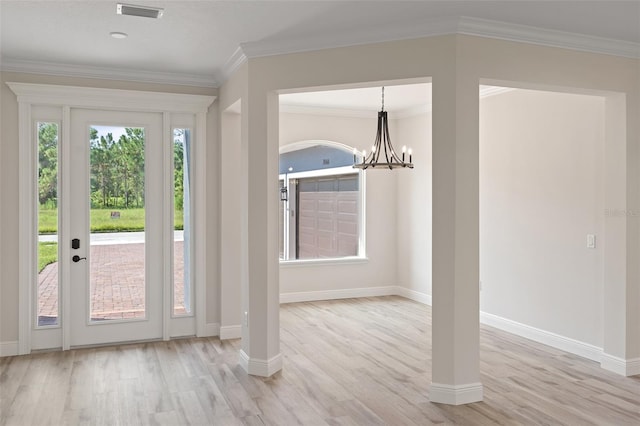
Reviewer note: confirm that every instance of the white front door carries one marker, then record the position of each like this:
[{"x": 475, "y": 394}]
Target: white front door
[{"x": 116, "y": 226}]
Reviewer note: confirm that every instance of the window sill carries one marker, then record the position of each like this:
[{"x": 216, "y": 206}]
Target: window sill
[{"x": 354, "y": 260}]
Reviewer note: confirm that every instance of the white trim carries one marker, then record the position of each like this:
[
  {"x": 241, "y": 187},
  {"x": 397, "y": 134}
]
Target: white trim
[
  {"x": 332, "y": 261},
  {"x": 347, "y": 293},
  {"x": 114, "y": 99},
  {"x": 65, "y": 227},
  {"x": 106, "y": 73},
  {"x": 95, "y": 98},
  {"x": 455, "y": 394},
  {"x": 8, "y": 348},
  {"x": 357, "y": 37},
  {"x": 199, "y": 255},
  {"x": 624, "y": 367},
  {"x": 167, "y": 226},
  {"x": 210, "y": 329},
  {"x": 228, "y": 332},
  {"x": 566, "y": 344},
  {"x": 547, "y": 37},
  {"x": 234, "y": 62},
  {"x": 462, "y": 25},
  {"x": 26, "y": 209},
  {"x": 260, "y": 367},
  {"x": 416, "y": 296}
]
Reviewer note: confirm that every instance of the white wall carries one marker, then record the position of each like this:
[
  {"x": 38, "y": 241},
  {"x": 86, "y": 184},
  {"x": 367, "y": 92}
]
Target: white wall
[
  {"x": 379, "y": 269},
  {"x": 541, "y": 193},
  {"x": 414, "y": 206}
]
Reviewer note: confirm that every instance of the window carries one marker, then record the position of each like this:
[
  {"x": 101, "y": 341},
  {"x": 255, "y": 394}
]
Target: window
[
  {"x": 182, "y": 301},
  {"x": 48, "y": 289},
  {"x": 321, "y": 204}
]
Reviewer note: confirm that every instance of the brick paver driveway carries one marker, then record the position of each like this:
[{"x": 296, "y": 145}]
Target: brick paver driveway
[{"x": 117, "y": 280}]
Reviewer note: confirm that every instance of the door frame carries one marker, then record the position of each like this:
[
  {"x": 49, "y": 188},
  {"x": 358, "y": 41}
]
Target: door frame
[{"x": 65, "y": 98}]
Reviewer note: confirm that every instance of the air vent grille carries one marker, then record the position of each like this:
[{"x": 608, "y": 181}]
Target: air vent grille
[{"x": 143, "y": 11}]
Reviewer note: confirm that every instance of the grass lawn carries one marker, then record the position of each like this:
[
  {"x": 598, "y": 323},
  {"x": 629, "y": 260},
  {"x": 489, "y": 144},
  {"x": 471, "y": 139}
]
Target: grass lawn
[
  {"x": 47, "y": 253},
  {"x": 130, "y": 220}
]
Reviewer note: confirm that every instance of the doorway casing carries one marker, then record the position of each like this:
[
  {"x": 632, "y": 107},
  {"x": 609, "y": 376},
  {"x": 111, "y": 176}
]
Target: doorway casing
[{"x": 173, "y": 108}]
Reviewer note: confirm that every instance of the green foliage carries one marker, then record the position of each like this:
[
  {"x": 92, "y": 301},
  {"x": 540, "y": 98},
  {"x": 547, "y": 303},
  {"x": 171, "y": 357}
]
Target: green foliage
[
  {"x": 130, "y": 220},
  {"x": 47, "y": 221},
  {"x": 117, "y": 169},
  {"x": 178, "y": 173},
  {"x": 47, "y": 254},
  {"x": 117, "y": 179},
  {"x": 48, "y": 164}
]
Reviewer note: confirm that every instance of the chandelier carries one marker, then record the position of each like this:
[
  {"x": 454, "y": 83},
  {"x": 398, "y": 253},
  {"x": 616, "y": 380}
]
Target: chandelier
[{"x": 382, "y": 143}]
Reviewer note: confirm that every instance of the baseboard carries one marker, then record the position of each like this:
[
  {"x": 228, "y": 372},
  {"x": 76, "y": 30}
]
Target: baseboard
[
  {"x": 455, "y": 395},
  {"x": 624, "y": 367},
  {"x": 349, "y": 293},
  {"x": 585, "y": 350},
  {"x": 260, "y": 367},
  {"x": 211, "y": 329},
  {"x": 230, "y": 332},
  {"x": 566, "y": 344},
  {"x": 633, "y": 367},
  {"x": 414, "y": 295},
  {"x": 8, "y": 348}
]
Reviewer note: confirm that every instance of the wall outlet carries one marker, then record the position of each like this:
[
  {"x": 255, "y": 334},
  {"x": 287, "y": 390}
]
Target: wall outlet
[
  {"x": 246, "y": 319},
  {"x": 591, "y": 241}
]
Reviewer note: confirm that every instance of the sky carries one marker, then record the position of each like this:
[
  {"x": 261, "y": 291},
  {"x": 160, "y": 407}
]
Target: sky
[{"x": 116, "y": 131}]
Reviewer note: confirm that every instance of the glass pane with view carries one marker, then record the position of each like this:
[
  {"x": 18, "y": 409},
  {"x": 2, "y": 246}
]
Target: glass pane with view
[
  {"x": 182, "y": 222},
  {"x": 117, "y": 223},
  {"x": 48, "y": 288},
  {"x": 320, "y": 209}
]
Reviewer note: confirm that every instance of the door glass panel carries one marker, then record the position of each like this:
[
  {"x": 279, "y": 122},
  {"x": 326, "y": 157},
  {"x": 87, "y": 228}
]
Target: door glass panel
[
  {"x": 182, "y": 222},
  {"x": 117, "y": 223},
  {"x": 48, "y": 292}
]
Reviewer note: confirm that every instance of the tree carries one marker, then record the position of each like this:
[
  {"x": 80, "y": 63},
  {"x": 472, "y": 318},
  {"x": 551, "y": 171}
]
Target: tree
[
  {"x": 48, "y": 164},
  {"x": 178, "y": 169}
]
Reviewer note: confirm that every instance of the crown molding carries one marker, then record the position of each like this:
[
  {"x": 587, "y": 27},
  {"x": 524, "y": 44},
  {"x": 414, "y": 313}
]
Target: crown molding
[
  {"x": 462, "y": 25},
  {"x": 455, "y": 25},
  {"x": 352, "y": 38},
  {"x": 105, "y": 73},
  {"x": 547, "y": 37},
  {"x": 233, "y": 63},
  {"x": 117, "y": 99}
]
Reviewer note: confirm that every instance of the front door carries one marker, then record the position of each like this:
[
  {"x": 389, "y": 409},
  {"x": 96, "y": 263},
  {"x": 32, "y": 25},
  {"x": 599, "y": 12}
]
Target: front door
[{"x": 116, "y": 226}]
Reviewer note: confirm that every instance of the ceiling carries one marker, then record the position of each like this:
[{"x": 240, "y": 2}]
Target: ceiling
[
  {"x": 404, "y": 99},
  {"x": 196, "y": 42}
]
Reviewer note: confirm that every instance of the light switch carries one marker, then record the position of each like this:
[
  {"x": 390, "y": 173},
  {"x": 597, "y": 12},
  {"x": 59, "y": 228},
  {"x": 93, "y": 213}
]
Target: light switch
[{"x": 591, "y": 241}]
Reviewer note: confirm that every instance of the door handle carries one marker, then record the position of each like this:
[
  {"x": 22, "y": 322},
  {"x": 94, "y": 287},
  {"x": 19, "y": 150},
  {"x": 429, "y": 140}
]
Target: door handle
[{"x": 77, "y": 258}]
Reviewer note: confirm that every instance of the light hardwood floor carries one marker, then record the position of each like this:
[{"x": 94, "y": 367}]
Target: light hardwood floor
[{"x": 350, "y": 362}]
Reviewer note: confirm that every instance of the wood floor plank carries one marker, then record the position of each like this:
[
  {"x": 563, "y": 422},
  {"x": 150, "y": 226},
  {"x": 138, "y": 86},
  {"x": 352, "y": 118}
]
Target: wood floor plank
[{"x": 347, "y": 362}]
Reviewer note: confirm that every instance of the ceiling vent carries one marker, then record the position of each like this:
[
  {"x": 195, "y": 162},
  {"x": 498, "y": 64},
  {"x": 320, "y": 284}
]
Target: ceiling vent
[{"x": 144, "y": 11}]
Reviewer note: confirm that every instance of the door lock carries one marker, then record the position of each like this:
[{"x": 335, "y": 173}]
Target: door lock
[{"x": 77, "y": 258}]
